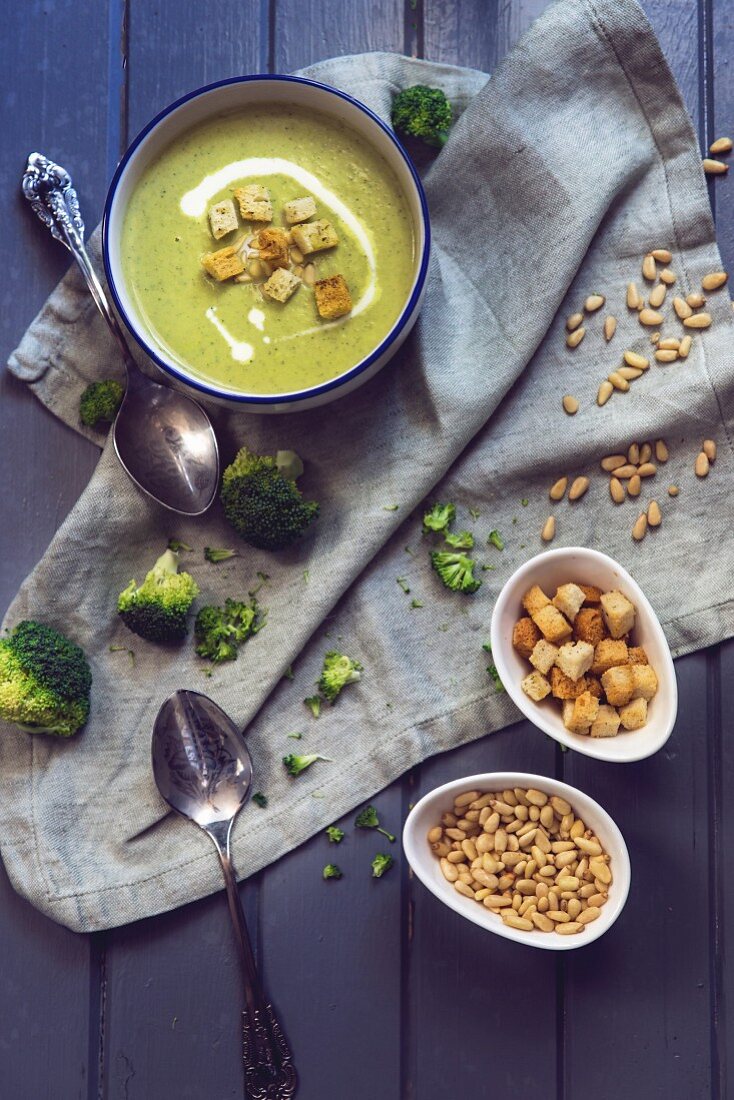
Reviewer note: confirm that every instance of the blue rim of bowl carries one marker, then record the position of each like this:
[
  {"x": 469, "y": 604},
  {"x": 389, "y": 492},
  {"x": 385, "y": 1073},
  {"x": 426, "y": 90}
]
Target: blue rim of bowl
[{"x": 353, "y": 372}]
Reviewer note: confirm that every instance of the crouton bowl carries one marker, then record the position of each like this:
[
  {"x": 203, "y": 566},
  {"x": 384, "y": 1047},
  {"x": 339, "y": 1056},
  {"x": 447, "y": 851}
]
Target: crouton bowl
[
  {"x": 266, "y": 240},
  {"x": 599, "y": 676}
]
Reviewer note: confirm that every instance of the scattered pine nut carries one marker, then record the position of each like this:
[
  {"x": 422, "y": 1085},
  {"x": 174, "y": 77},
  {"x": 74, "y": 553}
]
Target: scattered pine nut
[
  {"x": 612, "y": 462},
  {"x": 634, "y": 485},
  {"x": 640, "y": 528},
  {"x": 630, "y": 373},
  {"x": 633, "y": 359},
  {"x": 626, "y": 471},
  {"x": 616, "y": 490},
  {"x": 661, "y": 450},
  {"x": 574, "y": 321},
  {"x": 714, "y": 167},
  {"x": 574, "y": 338},
  {"x": 654, "y": 515},
  {"x": 721, "y": 145},
  {"x": 549, "y": 529},
  {"x": 685, "y": 347},
  {"x": 649, "y": 269},
  {"x": 647, "y": 469},
  {"x": 645, "y": 453},
  {"x": 702, "y": 464},
  {"x": 682, "y": 308},
  {"x": 633, "y": 453},
  {"x": 669, "y": 343},
  {"x": 578, "y": 488},
  {"x": 662, "y": 255},
  {"x": 666, "y": 356},
  {"x": 606, "y": 389},
  {"x": 618, "y": 381},
  {"x": 655, "y": 338},
  {"x": 610, "y": 327},
  {"x": 696, "y": 300},
  {"x": 709, "y": 449},
  {"x": 633, "y": 296},
  {"x": 657, "y": 295},
  {"x": 570, "y": 405},
  {"x": 558, "y": 489},
  {"x": 714, "y": 280},
  {"x": 673, "y": 490},
  {"x": 650, "y": 317},
  {"x": 594, "y": 302},
  {"x": 698, "y": 320},
  {"x": 667, "y": 276}
]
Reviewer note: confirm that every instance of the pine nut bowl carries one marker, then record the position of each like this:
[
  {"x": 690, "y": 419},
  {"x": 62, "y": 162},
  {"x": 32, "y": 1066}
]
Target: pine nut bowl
[
  {"x": 642, "y": 727},
  {"x": 587, "y": 839}
]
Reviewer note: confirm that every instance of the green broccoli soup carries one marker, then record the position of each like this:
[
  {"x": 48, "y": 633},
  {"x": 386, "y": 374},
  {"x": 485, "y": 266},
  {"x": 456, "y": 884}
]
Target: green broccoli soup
[{"x": 268, "y": 250}]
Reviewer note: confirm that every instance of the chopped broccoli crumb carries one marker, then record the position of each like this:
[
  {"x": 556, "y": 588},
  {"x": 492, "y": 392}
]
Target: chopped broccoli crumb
[
  {"x": 219, "y": 631},
  {"x": 260, "y": 799},
  {"x": 403, "y": 582},
  {"x": 331, "y": 871},
  {"x": 474, "y": 513},
  {"x": 416, "y": 603},
  {"x": 295, "y": 736},
  {"x": 424, "y": 113},
  {"x": 289, "y": 674},
  {"x": 100, "y": 402},
  {"x": 485, "y": 568},
  {"x": 439, "y": 519},
  {"x": 335, "y": 834},
  {"x": 289, "y": 464},
  {"x": 456, "y": 570},
  {"x": 390, "y": 507},
  {"x": 524, "y": 502},
  {"x": 461, "y": 540},
  {"x": 177, "y": 546},
  {"x": 294, "y": 764},
  {"x": 124, "y": 649},
  {"x": 338, "y": 671},
  {"x": 492, "y": 669},
  {"x": 380, "y": 864},
  {"x": 215, "y": 555},
  {"x": 313, "y": 702},
  {"x": 495, "y": 539},
  {"x": 368, "y": 819},
  {"x": 306, "y": 575}
]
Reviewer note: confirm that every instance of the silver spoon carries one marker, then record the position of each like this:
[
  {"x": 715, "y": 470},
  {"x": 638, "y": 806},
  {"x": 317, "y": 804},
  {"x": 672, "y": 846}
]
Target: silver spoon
[
  {"x": 203, "y": 770},
  {"x": 164, "y": 439}
]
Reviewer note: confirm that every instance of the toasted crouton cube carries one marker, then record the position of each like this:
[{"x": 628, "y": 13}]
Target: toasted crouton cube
[
  {"x": 592, "y": 594},
  {"x": 607, "y": 654},
  {"x": 565, "y": 688},
  {"x": 223, "y": 264},
  {"x": 585, "y": 710},
  {"x": 567, "y": 711},
  {"x": 254, "y": 203},
  {"x": 525, "y": 636},
  {"x": 606, "y": 723},
  {"x": 536, "y": 686},
  {"x": 534, "y": 600},
  {"x": 568, "y": 600},
  {"x": 543, "y": 656},
  {"x": 618, "y": 684},
  {"x": 222, "y": 218},
  {"x": 314, "y": 236},
  {"x": 594, "y": 684},
  {"x": 299, "y": 210},
  {"x": 619, "y": 613},
  {"x": 645, "y": 681},
  {"x": 281, "y": 285},
  {"x": 575, "y": 658},
  {"x": 332, "y": 297},
  {"x": 637, "y": 655},
  {"x": 552, "y": 624},
  {"x": 273, "y": 245},
  {"x": 634, "y": 715},
  {"x": 589, "y": 626}
]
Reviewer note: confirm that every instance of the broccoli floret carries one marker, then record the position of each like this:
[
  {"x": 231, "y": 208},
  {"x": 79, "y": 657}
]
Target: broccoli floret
[
  {"x": 455, "y": 570},
  {"x": 44, "y": 680},
  {"x": 439, "y": 518},
  {"x": 368, "y": 819},
  {"x": 332, "y": 871},
  {"x": 264, "y": 507},
  {"x": 338, "y": 671},
  {"x": 212, "y": 554},
  {"x": 260, "y": 799},
  {"x": 157, "y": 609},
  {"x": 313, "y": 702},
  {"x": 380, "y": 864},
  {"x": 494, "y": 538},
  {"x": 461, "y": 540},
  {"x": 294, "y": 765},
  {"x": 423, "y": 113},
  {"x": 100, "y": 402},
  {"x": 335, "y": 834},
  {"x": 218, "y": 631}
]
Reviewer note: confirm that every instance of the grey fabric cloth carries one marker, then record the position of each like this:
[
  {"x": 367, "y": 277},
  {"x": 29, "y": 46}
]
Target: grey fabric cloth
[{"x": 574, "y": 160}]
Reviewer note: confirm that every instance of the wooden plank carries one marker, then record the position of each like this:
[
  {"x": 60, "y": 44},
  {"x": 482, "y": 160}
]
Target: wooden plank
[
  {"x": 474, "y": 33},
  {"x": 721, "y": 797},
  {"x": 720, "y": 122},
  {"x": 308, "y": 33},
  {"x": 468, "y": 992}
]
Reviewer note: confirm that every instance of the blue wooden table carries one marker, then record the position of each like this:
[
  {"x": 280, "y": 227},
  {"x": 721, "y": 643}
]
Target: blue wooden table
[{"x": 387, "y": 994}]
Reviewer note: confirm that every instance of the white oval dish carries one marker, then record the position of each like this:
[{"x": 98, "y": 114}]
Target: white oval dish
[
  {"x": 227, "y": 96},
  {"x": 576, "y": 563},
  {"x": 427, "y": 813}
]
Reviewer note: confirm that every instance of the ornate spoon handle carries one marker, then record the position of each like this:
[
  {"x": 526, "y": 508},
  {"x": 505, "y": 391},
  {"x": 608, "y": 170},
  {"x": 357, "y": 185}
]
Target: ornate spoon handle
[
  {"x": 269, "y": 1070},
  {"x": 49, "y": 189}
]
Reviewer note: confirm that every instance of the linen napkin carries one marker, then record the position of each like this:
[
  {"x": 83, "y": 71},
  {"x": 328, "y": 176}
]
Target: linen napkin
[{"x": 576, "y": 159}]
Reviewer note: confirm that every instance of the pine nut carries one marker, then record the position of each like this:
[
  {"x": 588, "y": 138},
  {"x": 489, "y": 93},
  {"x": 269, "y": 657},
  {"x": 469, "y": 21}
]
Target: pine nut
[
  {"x": 309, "y": 274},
  {"x": 633, "y": 453},
  {"x": 721, "y": 145},
  {"x": 540, "y": 920},
  {"x": 673, "y": 490},
  {"x": 255, "y": 269},
  {"x": 569, "y": 929},
  {"x": 500, "y": 841},
  {"x": 570, "y": 405},
  {"x": 514, "y": 921},
  {"x": 618, "y": 381},
  {"x": 655, "y": 338},
  {"x": 702, "y": 464},
  {"x": 577, "y": 490},
  {"x": 657, "y": 295},
  {"x": 645, "y": 453},
  {"x": 666, "y": 356},
  {"x": 616, "y": 490},
  {"x": 685, "y": 347},
  {"x": 650, "y": 317},
  {"x": 669, "y": 344},
  {"x": 549, "y": 529},
  {"x": 654, "y": 515},
  {"x": 696, "y": 300},
  {"x": 497, "y": 901},
  {"x": 662, "y": 255},
  {"x": 590, "y": 847},
  {"x": 464, "y": 889},
  {"x": 558, "y": 915},
  {"x": 463, "y": 800},
  {"x": 649, "y": 269},
  {"x": 597, "y": 900},
  {"x": 714, "y": 280},
  {"x": 435, "y": 834},
  {"x": 667, "y": 276},
  {"x": 682, "y": 308},
  {"x": 612, "y": 462},
  {"x": 492, "y": 823},
  {"x": 709, "y": 449},
  {"x": 606, "y": 389},
  {"x": 574, "y": 338},
  {"x": 469, "y": 848},
  {"x": 589, "y": 914},
  {"x": 558, "y": 489},
  {"x": 573, "y": 322},
  {"x": 661, "y": 450},
  {"x": 298, "y": 270},
  {"x": 698, "y": 320},
  {"x": 634, "y": 359},
  {"x": 714, "y": 167},
  {"x": 629, "y": 373},
  {"x": 634, "y": 485},
  {"x": 626, "y": 471},
  {"x": 574, "y": 908},
  {"x": 610, "y": 327},
  {"x": 640, "y": 528},
  {"x": 455, "y": 834},
  {"x": 594, "y": 302},
  {"x": 296, "y": 256},
  {"x": 647, "y": 469},
  {"x": 449, "y": 871},
  {"x": 633, "y": 296},
  {"x": 600, "y": 870}
]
